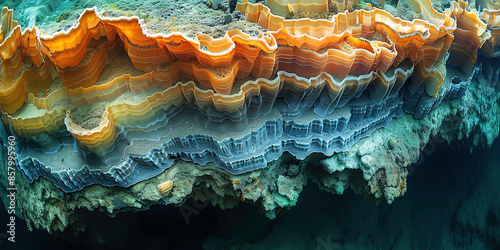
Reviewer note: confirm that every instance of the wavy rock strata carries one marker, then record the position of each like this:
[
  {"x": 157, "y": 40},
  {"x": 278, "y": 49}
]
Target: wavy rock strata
[{"x": 240, "y": 101}]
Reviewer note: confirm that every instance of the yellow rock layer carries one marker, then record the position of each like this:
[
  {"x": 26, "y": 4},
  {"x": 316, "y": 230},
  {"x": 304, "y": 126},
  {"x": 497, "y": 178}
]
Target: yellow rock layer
[
  {"x": 284, "y": 7},
  {"x": 470, "y": 35},
  {"x": 100, "y": 139}
]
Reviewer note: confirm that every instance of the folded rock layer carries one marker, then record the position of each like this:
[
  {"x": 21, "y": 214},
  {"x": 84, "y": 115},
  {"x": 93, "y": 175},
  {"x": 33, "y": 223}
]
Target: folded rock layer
[{"x": 122, "y": 104}]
